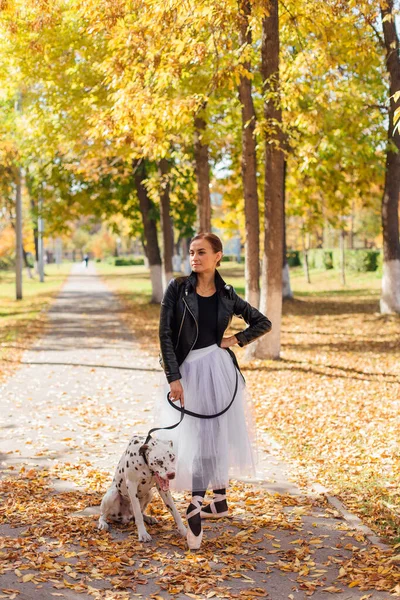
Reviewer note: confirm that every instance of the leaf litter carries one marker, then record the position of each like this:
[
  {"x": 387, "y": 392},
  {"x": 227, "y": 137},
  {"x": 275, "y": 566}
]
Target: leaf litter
[{"x": 320, "y": 402}]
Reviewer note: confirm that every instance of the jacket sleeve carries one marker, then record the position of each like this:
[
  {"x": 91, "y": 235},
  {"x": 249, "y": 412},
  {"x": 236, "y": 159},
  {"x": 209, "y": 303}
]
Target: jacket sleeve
[
  {"x": 169, "y": 360},
  {"x": 258, "y": 323}
]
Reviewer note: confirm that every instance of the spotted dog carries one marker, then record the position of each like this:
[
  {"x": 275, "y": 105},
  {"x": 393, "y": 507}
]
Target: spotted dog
[{"x": 141, "y": 468}]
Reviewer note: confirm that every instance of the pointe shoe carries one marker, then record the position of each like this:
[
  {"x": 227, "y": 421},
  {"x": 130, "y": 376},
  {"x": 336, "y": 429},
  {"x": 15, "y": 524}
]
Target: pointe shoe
[
  {"x": 214, "y": 514},
  {"x": 194, "y": 541}
]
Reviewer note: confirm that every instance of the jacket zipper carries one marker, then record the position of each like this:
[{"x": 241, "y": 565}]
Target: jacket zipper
[
  {"x": 180, "y": 328},
  {"x": 197, "y": 326}
]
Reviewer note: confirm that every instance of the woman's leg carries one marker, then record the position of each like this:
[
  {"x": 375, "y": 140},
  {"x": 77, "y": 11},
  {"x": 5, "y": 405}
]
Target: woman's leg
[
  {"x": 219, "y": 502},
  {"x": 194, "y": 522},
  {"x": 200, "y": 481}
]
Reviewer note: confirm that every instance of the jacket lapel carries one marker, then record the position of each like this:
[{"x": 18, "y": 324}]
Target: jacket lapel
[
  {"x": 190, "y": 296},
  {"x": 225, "y": 307}
]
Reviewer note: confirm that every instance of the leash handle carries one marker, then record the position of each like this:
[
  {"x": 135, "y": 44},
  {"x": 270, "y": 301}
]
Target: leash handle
[{"x": 184, "y": 411}]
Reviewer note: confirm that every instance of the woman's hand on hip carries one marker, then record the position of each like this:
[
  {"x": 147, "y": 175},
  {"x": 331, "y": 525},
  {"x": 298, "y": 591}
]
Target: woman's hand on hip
[
  {"x": 227, "y": 342},
  {"x": 176, "y": 391}
]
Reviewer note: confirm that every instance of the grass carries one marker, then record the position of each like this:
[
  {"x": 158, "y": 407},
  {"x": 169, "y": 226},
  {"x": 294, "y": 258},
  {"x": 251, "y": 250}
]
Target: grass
[
  {"x": 332, "y": 400},
  {"x": 22, "y": 321}
]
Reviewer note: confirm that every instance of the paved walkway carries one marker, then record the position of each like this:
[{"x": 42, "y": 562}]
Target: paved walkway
[{"x": 67, "y": 415}]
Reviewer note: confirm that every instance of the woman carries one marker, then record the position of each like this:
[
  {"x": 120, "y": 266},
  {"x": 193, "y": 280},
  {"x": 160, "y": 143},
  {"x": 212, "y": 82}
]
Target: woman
[{"x": 203, "y": 374}]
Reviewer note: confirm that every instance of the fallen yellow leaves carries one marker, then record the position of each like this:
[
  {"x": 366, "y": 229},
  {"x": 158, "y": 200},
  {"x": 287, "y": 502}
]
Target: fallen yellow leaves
[
  {"x": 9, "y": 593},
  {"x": 71, "y": 553},
  {"x": 333, "y": 403},
  {"x": 329, "y": 401}
]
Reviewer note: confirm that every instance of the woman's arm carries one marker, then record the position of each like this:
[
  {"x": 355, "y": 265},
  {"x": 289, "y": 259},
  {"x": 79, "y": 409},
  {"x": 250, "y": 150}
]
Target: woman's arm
[
  {"x": 258, "y": 323},
  {"x": 170, "y": 362}
]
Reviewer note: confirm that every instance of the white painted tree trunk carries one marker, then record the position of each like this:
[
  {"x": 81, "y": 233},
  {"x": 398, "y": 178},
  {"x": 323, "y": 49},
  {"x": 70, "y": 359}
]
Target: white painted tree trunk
[
  {"x": 253, "y": 297},
  {"x": 18, "y": 238},
  {"x": 390, "y": 299},
  {"x": 286, "y": 289},
  {"x": 166, "y": 278},
  {"x": 40, "y": 244},
  {"x": 176, "y": 262},
  {"x": 186, "y": 266},
  {"x": 268, "y": 346},
  {"x": 156, "y": 283}
]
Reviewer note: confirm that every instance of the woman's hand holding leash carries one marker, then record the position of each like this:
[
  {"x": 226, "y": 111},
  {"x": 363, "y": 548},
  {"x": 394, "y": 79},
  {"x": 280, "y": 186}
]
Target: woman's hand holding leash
[
  {"x": 227, "y": 342},
  {"x": 177, "y": 391}
]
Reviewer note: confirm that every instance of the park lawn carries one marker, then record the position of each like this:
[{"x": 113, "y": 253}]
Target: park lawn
[
  {"x": 22, "y": 321},
  {"x": 333, "y": 399}
]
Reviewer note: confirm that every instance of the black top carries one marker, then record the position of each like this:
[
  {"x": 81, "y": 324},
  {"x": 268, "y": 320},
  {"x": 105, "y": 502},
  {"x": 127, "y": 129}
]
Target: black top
[{"x": 207, "y": 321}]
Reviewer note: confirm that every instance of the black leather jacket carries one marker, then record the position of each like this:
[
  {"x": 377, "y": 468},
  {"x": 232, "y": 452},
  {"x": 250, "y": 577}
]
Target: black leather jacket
[{"x": 179, "y": 320}]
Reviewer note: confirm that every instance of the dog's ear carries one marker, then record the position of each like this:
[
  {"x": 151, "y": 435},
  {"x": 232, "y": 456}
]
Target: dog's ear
[{"x": 143, "y": 449}]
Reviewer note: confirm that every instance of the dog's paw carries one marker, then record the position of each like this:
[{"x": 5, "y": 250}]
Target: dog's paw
[
  {"x": 103, "y": 525},
  {"x": 144, "y": 537},
  {"x": 150, "y": 520},
  {"x": 183, "y": 531}
]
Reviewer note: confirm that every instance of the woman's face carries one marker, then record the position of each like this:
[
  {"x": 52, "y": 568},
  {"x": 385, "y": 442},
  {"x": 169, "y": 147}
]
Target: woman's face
[{"x": 202, "y": 256}]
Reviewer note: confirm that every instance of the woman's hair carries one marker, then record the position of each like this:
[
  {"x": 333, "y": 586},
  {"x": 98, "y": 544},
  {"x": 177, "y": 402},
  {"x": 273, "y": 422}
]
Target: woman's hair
[{"x": 212, "y": 239}]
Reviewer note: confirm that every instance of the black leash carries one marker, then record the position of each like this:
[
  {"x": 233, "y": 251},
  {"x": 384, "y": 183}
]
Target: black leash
[{"x": 184, "y": 411}]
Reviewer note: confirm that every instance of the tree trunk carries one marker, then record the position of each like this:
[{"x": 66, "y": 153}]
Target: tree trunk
[
  {"x": 151, "y": 247},
  {"x": 351, "y": 232},
  {"x": 306, "y": 247},
  {"x": 306, "y": 266},
  {"x": 286, "y": 289},
  {"x": 342, "y": 257},
  {"x": 390, "y": 299},
  {"x": 202, "y": 174},
  {"x": 35, "y": 229},
  {"x": 268, "y": 346},
  {"x": 18, "y": 237},
  {"x": 40, "y": 241},
  {"x": 249, "y": 167},
  {"x": 26, "y": 263},
  {"x": 185, "y": 265},
  {"x": 166, "y": 221}
]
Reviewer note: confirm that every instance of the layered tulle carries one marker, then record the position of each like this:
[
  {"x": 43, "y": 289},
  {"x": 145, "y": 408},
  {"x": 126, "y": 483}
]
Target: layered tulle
[{"x": 209, "y": 451}]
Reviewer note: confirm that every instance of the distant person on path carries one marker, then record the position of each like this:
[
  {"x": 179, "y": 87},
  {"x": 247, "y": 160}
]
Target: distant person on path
[
  {"x": 203, "y": 373},
  {"x": 86, "y": 260}
]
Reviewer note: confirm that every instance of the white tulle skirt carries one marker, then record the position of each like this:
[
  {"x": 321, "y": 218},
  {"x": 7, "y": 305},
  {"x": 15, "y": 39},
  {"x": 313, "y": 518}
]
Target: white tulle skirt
[{"x": 209, "y": 451}]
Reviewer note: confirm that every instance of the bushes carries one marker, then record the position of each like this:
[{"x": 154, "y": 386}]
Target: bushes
[
  {"x": 6, "y": 263},
  {"x": 318, "y": 258},
  {"x": 232, "y": 258},
  {"x": 293, "y": 258},
  {"x": 355, "y": 260},
  {"x": 362, "y": 260},
  {"x": 126, "y": 262}
]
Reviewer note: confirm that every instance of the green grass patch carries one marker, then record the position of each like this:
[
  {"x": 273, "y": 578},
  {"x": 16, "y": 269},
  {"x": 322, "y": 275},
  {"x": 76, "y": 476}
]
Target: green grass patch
[{"x": 136, "y": 280}]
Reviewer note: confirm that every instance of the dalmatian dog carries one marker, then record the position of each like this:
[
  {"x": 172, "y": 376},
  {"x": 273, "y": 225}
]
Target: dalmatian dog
[{"x": 141, "y": 468}]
